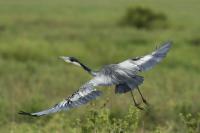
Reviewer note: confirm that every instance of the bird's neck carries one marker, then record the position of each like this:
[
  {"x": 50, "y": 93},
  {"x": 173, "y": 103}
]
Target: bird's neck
[{"x": 86, "y": 68}]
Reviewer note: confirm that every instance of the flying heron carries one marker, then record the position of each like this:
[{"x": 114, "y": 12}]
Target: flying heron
[{"x": 123, "y": 75}]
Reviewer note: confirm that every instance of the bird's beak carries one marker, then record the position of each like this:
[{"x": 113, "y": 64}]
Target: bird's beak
[{"x": 65, "y": 58}]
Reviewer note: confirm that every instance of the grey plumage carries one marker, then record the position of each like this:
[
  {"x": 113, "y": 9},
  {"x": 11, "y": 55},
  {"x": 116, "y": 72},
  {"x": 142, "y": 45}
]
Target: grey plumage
[
  {"x": 85, "y": 94},
  {"x": 123, "y": 75},
  {"x": 130, "y": 85}
]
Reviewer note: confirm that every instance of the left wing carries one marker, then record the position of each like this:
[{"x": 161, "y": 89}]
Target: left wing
[
  {"x": 85, "y": 94},
  {"x": 146, "y": 62}
]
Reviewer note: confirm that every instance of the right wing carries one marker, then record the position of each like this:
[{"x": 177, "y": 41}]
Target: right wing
[
  {"x": 85, "y": 94},
  {"x": 146, "y": 62}
]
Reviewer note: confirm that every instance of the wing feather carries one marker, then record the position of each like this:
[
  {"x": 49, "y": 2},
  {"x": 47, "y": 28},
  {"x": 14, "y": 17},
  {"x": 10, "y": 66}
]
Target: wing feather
[
  {"x": 146, "y": 62},
  {"x": 85, "y": 94}
]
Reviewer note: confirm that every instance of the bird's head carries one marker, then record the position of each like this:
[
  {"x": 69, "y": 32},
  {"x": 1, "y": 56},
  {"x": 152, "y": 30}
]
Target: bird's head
[{"x": 71, "y": 60}]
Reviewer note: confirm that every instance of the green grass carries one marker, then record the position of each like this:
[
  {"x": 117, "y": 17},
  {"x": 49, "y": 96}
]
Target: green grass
[{"x": 33, "y": 34}]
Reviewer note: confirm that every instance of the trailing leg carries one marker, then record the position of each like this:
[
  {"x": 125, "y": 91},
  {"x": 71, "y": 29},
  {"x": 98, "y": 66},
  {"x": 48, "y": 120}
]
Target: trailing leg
[
  {"x": 136, "y": 104},
  {"x": 143, "y": 99}
]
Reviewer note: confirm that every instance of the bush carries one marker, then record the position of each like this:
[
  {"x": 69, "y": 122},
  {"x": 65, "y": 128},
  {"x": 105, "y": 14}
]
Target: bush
[
  {"x": 101, "y": 121},
  {"x": 145, "y": 18},
  {"x": 191, "y": 122},
  {"x": 195, "y": 41}
]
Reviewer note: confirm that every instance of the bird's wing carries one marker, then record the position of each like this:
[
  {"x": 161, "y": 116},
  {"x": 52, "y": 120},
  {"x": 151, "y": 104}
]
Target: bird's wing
[
  {"x": 85, "y": 94},
  {"x": 148, "y": 61}
]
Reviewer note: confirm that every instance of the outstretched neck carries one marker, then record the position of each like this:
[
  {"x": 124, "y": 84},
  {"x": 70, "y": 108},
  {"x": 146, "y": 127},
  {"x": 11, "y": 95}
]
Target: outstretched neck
[
  {"x": 78, "y": 63},
  {"x": 86, "y": 68}
]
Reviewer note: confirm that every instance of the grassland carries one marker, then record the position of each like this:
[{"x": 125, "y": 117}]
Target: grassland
[{"x": 33, "y": 34}]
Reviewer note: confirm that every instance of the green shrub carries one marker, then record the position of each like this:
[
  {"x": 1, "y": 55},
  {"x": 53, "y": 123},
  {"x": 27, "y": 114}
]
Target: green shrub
[
  {"x": 191, "y": 122},
  {"x": 101, "y": 121},
  {"x": 195, "y": 41},
  {"x": 145, "y": 18}
]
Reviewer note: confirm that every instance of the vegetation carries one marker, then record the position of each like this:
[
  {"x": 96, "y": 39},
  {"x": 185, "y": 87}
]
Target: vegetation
[
  {"x": 33, "y": 34},
  {"x": 141, "y": 17},
  {"x": 192, "y": 123}
]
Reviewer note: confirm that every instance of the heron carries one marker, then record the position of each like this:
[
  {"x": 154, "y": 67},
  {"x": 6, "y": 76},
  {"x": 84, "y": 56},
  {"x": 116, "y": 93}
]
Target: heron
[{"x": 124, "y": 76}]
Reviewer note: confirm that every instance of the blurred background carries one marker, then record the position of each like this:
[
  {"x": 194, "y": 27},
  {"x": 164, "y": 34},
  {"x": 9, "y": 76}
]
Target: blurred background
[{"x": 34, "y": 33}]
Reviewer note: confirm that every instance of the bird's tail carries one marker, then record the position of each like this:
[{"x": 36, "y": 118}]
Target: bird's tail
[{"x": 130, "y": 85}]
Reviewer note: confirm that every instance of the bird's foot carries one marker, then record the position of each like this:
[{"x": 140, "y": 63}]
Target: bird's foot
[
  {"x": 145, "y": 101},
  {"x": 139, "y": 107}
]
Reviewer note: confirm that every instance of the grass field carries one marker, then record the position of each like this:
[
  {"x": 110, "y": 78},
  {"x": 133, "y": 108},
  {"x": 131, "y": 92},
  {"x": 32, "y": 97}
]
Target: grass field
[{"x": 33, "y": 34}]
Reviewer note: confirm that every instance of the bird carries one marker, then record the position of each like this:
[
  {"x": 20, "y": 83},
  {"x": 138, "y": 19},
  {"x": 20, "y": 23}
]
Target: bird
[{"x": 124, "y": 76}]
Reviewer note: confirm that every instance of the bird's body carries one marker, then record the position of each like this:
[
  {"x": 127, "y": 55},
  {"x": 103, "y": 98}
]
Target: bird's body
[{"x": 123, "y": 75}]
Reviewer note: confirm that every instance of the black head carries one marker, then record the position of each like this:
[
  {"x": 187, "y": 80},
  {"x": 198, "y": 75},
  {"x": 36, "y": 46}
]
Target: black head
[{"x": 72, "y": 59}]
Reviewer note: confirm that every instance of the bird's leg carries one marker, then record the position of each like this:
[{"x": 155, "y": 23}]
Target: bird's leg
[
  {"x": 143, "y": 99},
  {"x": 136, "y": 104}
]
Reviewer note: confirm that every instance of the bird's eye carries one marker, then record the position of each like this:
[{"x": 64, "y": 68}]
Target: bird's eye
[{"x": 71, "y": 59}]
